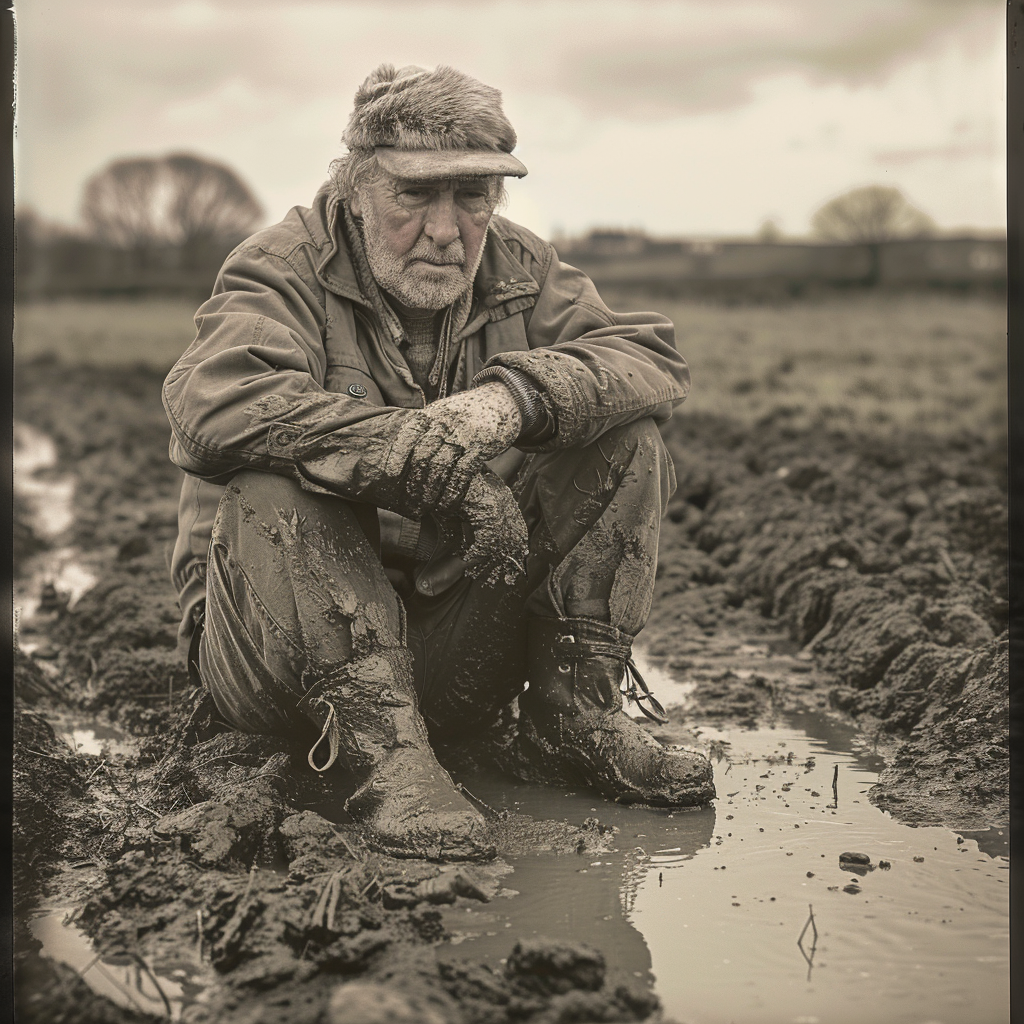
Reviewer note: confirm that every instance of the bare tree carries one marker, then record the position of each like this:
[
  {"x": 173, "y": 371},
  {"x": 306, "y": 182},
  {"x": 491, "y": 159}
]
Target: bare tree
[
  {"x": 870, "y": 216},
  {"x": 180, "y": 200},
  {"x": 875, "y": 213}
]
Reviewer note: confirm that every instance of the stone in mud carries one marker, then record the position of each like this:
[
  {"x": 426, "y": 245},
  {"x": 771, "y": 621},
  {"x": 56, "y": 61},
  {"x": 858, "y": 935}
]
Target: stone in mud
[
  {"x": 854, "y": 858},
  {"x": 549, "y": 968},
  {"x": 366, "y": 1002}
]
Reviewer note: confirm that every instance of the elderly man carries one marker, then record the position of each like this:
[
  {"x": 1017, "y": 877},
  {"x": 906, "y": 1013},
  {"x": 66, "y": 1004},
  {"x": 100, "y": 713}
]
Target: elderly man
[{"x": 423, "y": 478}]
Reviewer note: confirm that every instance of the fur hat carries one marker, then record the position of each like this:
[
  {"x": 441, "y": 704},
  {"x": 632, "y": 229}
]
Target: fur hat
[{"x": 432, "y": 124}]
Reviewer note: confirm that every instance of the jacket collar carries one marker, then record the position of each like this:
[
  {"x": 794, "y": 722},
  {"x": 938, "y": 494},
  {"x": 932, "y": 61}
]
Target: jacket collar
[{"x": 500, "y": 278}]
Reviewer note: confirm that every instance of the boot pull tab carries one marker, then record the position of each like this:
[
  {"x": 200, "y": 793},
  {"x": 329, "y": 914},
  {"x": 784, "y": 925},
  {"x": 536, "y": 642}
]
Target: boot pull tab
[
  {"x": 330, "y": 730},
  {"x": 635, "y": 682}
]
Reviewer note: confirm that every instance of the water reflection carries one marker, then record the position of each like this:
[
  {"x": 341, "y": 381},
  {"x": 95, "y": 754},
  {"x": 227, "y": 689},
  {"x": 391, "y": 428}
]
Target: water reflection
[
  {"x": 124, "y": 978},
  {"x": 580, "y": 898}
]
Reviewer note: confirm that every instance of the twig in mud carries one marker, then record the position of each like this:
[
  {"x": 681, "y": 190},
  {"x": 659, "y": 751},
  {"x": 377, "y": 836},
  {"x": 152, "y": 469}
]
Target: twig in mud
[
  {"x": 135, "y": 803},
  {"x": 152, "y": 977},
  {"x": 947, "y": 562},
  {"x": 329, "y": 896},
  {"x": 835, "y": 786},
  {"x": 252, "y": 878},
  {"x": 728, "y": 766},
  {"x": 486, "y": 808},
  {"x": 375, "y": 880},
  {"x": 199, "y": 933},
  {"x": 809, "y": 957},
  {"x": 344, "y": 842},
  {"x": 809, "y": 924},
  {"x": 39, "y": 753},
  {"x": 95, "y": 770}
]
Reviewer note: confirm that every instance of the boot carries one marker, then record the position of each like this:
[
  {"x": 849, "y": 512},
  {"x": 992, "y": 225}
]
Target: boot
[
  {"x": 369, "y": 722},
  {"x": 574, "y": 731}
]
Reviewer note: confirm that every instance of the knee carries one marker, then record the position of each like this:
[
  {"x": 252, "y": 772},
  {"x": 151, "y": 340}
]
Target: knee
[
  {"x": 648, "y": 458},
  {"x": 643, "y": 439},
  {"x": 275, "y": 506},
  {"x": 263, "y": 490}
]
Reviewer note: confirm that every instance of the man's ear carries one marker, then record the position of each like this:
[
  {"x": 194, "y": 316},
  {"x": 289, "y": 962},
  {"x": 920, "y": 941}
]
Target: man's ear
[{"x": 355, "y": 205}]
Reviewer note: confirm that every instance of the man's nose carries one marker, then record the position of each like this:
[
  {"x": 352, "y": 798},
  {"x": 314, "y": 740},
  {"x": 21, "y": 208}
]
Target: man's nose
[{"x": 441, "y": 226}]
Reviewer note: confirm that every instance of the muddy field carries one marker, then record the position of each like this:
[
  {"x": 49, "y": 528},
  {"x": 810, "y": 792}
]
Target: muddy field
[{"x": 864, "y": 554}]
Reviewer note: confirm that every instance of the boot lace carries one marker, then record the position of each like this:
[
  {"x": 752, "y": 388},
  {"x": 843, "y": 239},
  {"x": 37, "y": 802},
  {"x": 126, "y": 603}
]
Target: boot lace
[{"x": 638, "y": 692}]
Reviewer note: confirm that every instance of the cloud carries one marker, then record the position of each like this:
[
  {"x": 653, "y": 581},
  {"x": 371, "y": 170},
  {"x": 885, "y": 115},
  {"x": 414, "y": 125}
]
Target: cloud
[
  {"x": 626, "y": 88},
  {"x": 696, "y": 56}
]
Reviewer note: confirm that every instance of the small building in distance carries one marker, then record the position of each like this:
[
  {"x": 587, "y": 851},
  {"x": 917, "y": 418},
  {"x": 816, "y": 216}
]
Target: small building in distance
[{"x": 629, "y": 258}]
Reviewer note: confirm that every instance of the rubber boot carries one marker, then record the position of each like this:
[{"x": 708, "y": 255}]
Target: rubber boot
[
  {"x": 572, "y": 728},
  {"x": 369, "y": 722}
]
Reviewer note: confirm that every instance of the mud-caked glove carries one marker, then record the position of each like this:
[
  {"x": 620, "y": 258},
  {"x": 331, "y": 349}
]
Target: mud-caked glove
[
  {"x": 420, "y": 462},
  {"x": 493, "y": 533},
  {"x": 442, "y": 447}
]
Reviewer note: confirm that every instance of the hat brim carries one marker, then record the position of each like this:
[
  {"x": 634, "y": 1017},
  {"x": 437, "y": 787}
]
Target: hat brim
[{"x": 425, "y": 164}]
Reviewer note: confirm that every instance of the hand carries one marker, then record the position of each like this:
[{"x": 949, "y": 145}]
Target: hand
[
  {"x": 439, "y": 449},
  {"x": 500, "y": 538},
  {"x": 485, "y": 421},
  {"x": 497, "y": 550}
]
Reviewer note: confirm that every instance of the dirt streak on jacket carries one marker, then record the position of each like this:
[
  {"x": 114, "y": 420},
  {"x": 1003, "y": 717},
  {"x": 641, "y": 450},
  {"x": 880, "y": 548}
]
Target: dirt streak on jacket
[{"x": 291, "y": 365}]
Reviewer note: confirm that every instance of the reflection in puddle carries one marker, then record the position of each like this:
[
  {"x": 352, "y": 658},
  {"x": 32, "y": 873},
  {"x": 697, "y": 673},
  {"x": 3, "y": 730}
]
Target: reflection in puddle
[
  {"x": 126, "y": 980},
  {"x": 96, "y": 738},
  {"x": 50, "y": 502},
  {"x": 744, "y": 913}
]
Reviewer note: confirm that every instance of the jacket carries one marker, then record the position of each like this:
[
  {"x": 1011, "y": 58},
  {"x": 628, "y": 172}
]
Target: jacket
[{"x": 291, "y": 365}]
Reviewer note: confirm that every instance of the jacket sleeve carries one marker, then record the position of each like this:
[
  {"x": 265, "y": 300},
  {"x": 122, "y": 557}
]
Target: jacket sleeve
[
  {"x": 596, "y": 368},
  {"x": 246, "y": 394}
]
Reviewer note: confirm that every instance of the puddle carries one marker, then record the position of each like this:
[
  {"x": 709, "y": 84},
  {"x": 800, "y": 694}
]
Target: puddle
[
  {"x": 50, "y": 500},
  {"x": 92, "y": 736},
  {"x": 126, "y": 980},
  {"x": 708, "y": 905}
]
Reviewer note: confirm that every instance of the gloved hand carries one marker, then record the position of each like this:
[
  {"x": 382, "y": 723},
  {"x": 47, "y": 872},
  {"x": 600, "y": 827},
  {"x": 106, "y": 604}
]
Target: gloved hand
[
  {"x": 462, "y": 432},
  {"x": 489, "y": 538},
  {"x": 432, "y": 461}
]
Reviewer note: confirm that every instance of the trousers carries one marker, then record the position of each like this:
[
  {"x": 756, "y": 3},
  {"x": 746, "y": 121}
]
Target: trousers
[{"x": 296, "y": 587}]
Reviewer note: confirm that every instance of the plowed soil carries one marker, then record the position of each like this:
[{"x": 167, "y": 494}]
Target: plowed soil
[{"x": 872, "y": 560}]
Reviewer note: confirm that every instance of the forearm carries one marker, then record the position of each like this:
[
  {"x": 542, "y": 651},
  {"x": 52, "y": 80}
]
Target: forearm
[{"x": 594, "y": 368}]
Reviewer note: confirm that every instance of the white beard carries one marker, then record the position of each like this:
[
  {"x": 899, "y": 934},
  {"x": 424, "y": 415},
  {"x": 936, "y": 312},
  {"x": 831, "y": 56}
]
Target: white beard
[{"x": 418, "y": 286}]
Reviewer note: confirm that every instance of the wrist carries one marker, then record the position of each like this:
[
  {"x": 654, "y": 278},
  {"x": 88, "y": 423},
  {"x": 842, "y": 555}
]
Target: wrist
[{"x": 537, "y": 421}]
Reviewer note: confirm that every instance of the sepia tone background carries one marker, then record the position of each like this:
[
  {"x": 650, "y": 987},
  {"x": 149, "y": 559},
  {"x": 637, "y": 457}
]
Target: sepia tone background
[{"x": 815, "y": 194}]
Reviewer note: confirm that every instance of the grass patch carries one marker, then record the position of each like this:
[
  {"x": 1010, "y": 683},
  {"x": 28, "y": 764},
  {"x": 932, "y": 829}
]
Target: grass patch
[
  {"x": 105, "y": 332},
  {"x": 933, "y": 362}
]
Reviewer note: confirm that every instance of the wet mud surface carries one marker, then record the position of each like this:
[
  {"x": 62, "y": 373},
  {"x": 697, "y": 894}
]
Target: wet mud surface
[{"x": 860, "y": 577}]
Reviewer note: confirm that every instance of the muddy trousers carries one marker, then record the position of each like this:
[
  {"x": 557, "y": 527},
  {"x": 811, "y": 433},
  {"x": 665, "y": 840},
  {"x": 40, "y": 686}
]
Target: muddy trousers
[{"x": 297, "y": 592}]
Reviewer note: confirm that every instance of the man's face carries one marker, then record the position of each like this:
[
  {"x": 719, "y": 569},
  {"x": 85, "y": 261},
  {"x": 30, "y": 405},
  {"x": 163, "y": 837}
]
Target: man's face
[{"x": 424, "y": 239}]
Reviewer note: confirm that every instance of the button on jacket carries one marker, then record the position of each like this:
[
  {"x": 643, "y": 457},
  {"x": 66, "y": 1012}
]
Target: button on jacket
[{"x": 291, "y": 365}]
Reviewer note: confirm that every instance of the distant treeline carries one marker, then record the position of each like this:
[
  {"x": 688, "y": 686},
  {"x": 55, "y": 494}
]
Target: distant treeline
[
  {"x": 78, "y": 265},
  {"x": 630, "y": 259},
  {"x": 151, "y": 225},
  {"x": 58, "y": 265}
]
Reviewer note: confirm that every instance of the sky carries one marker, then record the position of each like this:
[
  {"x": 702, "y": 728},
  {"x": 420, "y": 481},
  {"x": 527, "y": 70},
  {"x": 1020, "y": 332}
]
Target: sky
[{"x": 675, "y": 117}]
